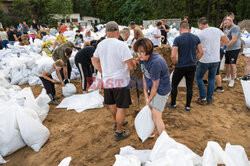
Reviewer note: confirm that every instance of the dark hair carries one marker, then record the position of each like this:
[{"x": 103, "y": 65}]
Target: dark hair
[
  {"x": 146, "y": 44},
  {"x": 185, "y": 17},
  {"x": 184, "y": 25},
  {"x": 132, "y": 23},
  {"x": 230, "y": 14},
  {"x": 159, "y": 23},
  {"x": 68, "y": 51},
  {"x": 97, "y": 42},
  {"x": 77, "y": 31},
  {"x": 60, "y": 32},
  {"x": 1, "y": 29},
  {"x": 203, "y": 21}
]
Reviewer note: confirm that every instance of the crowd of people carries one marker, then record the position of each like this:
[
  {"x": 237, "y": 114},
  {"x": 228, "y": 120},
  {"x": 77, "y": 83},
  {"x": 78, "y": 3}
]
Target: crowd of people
[{"x": 193, "y": 56}]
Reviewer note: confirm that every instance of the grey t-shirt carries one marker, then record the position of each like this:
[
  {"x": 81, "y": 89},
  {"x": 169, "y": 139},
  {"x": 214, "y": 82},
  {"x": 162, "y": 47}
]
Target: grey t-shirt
[{"x": 233, "y": 31}]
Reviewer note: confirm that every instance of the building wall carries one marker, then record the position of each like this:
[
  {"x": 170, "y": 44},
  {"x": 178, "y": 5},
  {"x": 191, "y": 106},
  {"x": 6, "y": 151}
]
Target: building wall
[{"x": 90, "y": 19}]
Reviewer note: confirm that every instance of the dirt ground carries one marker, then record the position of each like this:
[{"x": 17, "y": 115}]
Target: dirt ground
[{"x": 88, "y": 137}]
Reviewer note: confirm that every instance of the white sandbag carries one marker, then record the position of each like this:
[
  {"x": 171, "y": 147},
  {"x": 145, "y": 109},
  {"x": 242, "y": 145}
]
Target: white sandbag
[
  {"x": 144, "y": 123},
  {"x": 246, "y": 90},
  {"x": 2, "y": 161},
  {"x": 142, "y": 155},
  {"x": 33, "y": 132},
  {"x": 10, "y": 137},
  {"x": 16, "y": 77},
  {"x": 237, "y": 154},
  {"x": 128, "y": 160},
  {"x": 3, "y": 82},
  {"x": 97, "y": 84},
  {"x": 42, "y": 101},
  {"x": 65, "y": 162},
  {"x": 33, "y": 80},
  {"x": 165, "y": 148},
  {"x": 82, "y": 101},
  {"x": 222, "y": 63},
  {"x": 214, "y": 155},
  {"x": 68, "y": 90},
  {"x": 182, "y": 83}
]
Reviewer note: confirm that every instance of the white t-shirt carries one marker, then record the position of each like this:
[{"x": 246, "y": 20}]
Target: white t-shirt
[
  {"x": 47, "y": 67},
  {"x": 156, "y": 41},
  {"x": 113, "y": 54},
  {"x": 210, "y": 40}
]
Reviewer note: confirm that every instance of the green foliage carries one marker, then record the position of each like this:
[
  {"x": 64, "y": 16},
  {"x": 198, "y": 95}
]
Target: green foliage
[{"x": 124, "y": 11}]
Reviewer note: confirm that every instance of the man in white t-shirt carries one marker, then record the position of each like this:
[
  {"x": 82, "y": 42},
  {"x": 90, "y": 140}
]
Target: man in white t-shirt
[
  {"x": 210, "y": 38},
  {"x": 112, "y": 58},
  {"x": 156, "y": 39}
]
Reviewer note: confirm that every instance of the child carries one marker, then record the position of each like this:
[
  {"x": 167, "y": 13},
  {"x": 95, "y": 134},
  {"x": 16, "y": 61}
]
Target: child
[
  {"x": 78, "y": 38},
  {"x": 48, "y": 82},
  {"x": 156, "y": 81}
]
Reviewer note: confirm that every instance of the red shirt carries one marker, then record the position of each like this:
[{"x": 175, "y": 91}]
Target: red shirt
[{"x": 63, "y": 28}]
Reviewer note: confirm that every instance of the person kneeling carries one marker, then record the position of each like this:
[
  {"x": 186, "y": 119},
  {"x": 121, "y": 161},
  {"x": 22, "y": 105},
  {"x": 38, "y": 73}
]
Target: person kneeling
[
  {"x": 48, "y": 82},
  {"x": 156, "y": 80}
]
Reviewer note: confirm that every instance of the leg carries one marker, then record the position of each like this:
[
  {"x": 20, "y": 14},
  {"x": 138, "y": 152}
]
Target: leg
[
  {"x": 113, "y": 111},
  {"x": 52, "y": 85},
  {"x": 211, "y": 80},
  {"x": 48, "y": 88},
  {"x": 157, "y": 118},
  {"x": 218, "y": 80},
  {"x": 228, "y": 70},
  {"x": 80, "y": 68},
  {"x": 201, "y": 70},
  {"x": 120, "y": 116},
  {"x": 233, "y": 71},
  {"x": 189, "y": 75},
  {"x": 177, "y": 76}
]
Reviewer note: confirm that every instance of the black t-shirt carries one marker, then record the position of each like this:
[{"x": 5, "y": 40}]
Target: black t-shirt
[
  {"x": 11, "y": 35},
  {"x": 163, "y": 32},
  {"x": 34, "y": 25},
  {"x": 187, "y": 44},
  {"x": 84, "y": 55},
  {"x": 79, "y": 36},
  {"x": 18, "y": 34}
]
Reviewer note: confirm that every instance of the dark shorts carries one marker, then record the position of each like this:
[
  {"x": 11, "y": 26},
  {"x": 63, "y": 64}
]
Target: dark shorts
[
  {"x": 232, "y": 56},
  {"x": 222, "y": 53},
  {"x": 118, "y": 96}
]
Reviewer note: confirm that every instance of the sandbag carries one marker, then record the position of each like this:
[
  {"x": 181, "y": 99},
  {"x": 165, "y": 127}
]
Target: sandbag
[
  {"x": 10, "y": 137},
  {"x": 2, "y": 161},
  {"x": 182, "y": 83},
  {"x": 129, "y": 160},
  {"x": 237, "y": 154},
  {"x": 246, "y": 90},
  {"x": 144, "y": 123},
  {"x": 68, "y": 90},
  {"x": 65, "y": 162},
  {"x": 33, "y": 132}
]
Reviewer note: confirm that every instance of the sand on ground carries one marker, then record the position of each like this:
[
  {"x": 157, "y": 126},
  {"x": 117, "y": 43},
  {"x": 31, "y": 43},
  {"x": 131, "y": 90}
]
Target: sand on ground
[{"x": 88, "y": 136}]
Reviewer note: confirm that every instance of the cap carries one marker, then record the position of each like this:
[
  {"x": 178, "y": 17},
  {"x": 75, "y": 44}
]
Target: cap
[
  {"x": 112, "y": 26},
  {"x": 132, "y": 23}
]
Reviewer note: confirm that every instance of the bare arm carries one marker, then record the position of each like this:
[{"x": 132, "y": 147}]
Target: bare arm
[
  {"x": 224, "y": 40},
  {"x": 199, "y": 52},
  {"x": 153, "y": 90},
  {"x": 65, "y": 72},
  {"x": 15, "y": 37},
  {"x": 47, "y": 78},
  {"x": 131, "y": 64},
  {"x": 174, "y": 55},
  {"x": 233, "y": 41},
  {"x": 96, "y": 63},
  {"x": 145, "y": 89},
  {"x": 59, "y": 77}
]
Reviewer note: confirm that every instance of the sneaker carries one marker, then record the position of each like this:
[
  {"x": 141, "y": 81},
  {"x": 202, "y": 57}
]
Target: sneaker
[
  {"x": 124, "y": 124},
  {"x": 201, "y": 101},
  {"x": 187, "y": 109},
  {"x": 246, "y": 77},
  {"x": 231, "y": 83},
  {"x": 57, "y": 97},
  {"x": 152, "y": 135},
  {"x": 219, "y": 89},
  {"x": 119, "y": 136},
  {"x": 168, "y": 104},
  {"x": 53, "y": 102},
  {"x": 226, "y": 79}
]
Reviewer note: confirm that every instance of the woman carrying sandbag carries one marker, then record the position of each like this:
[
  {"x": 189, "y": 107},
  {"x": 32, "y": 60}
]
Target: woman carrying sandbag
[{"x": 156, "y": 79}]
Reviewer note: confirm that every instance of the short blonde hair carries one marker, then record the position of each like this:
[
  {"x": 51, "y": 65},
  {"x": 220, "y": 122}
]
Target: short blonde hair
[{"x": 59, "y": 63}]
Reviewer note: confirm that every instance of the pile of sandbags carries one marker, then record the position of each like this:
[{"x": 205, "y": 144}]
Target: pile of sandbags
[{"x": 21, "y": 117}]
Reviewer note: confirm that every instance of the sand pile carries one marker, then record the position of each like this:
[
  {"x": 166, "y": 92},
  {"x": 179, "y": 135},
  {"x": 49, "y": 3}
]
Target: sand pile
[
  {"x": 245, "y": 24},
  {"x": 165, "y": 51}
]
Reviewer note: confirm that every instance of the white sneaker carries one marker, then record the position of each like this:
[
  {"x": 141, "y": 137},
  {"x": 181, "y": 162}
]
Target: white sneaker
[
  {"x": 231, "y": 83},
  {"x": 226, "y": 79}
]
